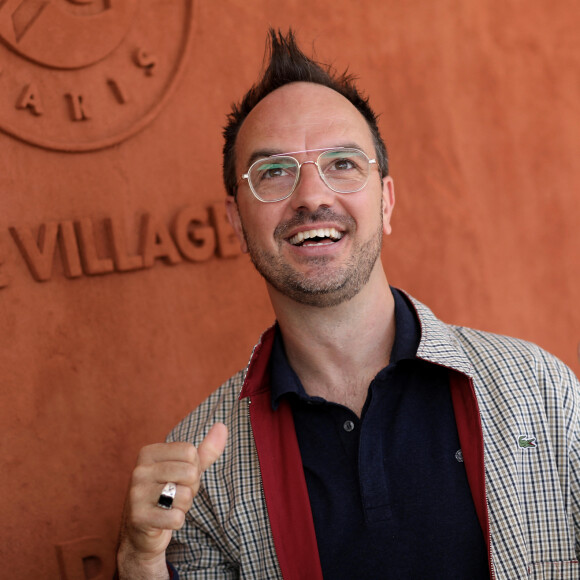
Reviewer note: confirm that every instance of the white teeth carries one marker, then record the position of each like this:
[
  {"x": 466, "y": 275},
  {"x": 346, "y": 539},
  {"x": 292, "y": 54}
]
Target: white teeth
[{"x": 331, "y": 233}]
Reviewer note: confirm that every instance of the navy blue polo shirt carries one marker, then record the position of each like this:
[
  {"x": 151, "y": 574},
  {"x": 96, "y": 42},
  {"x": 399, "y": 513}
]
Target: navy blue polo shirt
[{"x": 389, "y": 491}]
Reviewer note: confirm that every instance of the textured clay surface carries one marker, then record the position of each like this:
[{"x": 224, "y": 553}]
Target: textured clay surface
[{"x": 123, "y": 299}]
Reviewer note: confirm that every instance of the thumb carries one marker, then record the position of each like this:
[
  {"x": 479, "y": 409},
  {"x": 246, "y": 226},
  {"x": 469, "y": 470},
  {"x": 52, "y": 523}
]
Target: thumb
[{"x": 212, "y": 446}]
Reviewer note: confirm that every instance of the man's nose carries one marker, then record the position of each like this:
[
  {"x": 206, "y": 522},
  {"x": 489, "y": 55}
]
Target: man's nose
[{"x": 311, "y": 191}]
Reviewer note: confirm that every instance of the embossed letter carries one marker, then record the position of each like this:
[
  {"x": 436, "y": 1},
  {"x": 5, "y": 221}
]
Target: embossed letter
[
  {"x": 156, "y": 243},
  {"x": 38, "y": 256},
  {"x": 69, "y": 249},
  {"x": 78, "y": 107},
  {"x": 91, "y": 262},
  {"x": 83, "y": 558},
  {"x": 194, "y": 238},
  {"x": 228, "y": 245},
  {"x": 123, "y": 262},
  {"x": 118, "y": 91},
  {"x": 30, "y": 99},
  {"x": 146, "y": 61}
]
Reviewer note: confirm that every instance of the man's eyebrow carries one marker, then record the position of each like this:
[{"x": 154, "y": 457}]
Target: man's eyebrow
[
  {"x": 351, "y": 145},
  {"x": 261, "y": 153}
]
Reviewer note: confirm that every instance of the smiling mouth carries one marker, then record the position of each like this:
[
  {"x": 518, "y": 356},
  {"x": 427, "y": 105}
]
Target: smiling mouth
[{"x": 317, "y": 237}]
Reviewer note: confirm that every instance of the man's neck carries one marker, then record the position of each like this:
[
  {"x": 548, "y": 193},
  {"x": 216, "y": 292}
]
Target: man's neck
[{"x": 336, "y": 351}]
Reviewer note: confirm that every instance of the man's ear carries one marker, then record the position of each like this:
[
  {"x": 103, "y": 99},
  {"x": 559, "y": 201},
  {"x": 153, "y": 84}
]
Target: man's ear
[
  {"x": 235, "y": 221},
  {"x": 388, "y": 203}
]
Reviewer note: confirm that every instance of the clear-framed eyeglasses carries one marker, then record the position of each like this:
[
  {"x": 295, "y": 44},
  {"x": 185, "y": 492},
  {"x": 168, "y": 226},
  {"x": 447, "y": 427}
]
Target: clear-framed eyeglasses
[{"x": 343, "y": 169}]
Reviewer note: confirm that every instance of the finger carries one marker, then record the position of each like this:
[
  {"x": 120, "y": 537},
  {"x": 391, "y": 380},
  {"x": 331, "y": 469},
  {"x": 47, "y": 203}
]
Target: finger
[
  {"x": 213, "y": 445},
  {"x": 175, "y": 451},
  {"x": 145, "y": 513},
  {"x": 151, "y": 517},
  {"x": 160, "y": 473},
  {"x": 183, "y": 498}
]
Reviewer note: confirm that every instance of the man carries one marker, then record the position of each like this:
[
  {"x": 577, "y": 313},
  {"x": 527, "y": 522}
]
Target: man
[{"x": 367, "y": 439}]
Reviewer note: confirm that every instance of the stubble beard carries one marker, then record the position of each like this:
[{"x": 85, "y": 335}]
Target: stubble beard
[{"x": 324, "y": 285}]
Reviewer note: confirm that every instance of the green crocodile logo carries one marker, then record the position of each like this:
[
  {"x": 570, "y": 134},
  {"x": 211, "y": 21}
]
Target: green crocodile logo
[{"x": 527, "y": 442}]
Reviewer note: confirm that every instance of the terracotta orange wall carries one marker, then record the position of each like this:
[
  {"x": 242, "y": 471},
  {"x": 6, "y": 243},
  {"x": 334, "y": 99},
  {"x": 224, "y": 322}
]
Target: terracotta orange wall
[{"x": 478, "y": 106}]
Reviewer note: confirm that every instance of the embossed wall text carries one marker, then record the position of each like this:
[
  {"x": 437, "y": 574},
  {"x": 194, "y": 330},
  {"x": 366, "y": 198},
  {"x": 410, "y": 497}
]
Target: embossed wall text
[
  {"x": 92, "y": 246},
  {"x": 80, "y": 75}
]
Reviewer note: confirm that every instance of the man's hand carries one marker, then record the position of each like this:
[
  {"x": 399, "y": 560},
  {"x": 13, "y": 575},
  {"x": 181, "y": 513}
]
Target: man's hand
[{"x": 146, "y": 529}]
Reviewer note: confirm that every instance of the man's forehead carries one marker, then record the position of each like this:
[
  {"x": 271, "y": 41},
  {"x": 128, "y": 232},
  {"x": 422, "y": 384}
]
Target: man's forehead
[
  {"x": 301, "y": 116},
  {"x": 310, "y": 102}
]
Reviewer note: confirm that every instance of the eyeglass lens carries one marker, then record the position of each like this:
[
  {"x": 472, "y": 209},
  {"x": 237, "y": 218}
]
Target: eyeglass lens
[{"x": 343, "y": 170}]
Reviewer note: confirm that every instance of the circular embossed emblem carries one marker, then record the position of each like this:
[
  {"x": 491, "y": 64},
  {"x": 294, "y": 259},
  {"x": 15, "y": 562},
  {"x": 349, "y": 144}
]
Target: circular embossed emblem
[{"x": 80, "y": 75}]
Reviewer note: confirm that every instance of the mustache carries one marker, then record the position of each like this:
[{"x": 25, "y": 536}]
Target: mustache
[{"x": 305, "y": 217}]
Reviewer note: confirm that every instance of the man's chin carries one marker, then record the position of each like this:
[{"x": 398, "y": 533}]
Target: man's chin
[
  {"x": 322, "y": 282},
  {"x": 320, "y": 295}
]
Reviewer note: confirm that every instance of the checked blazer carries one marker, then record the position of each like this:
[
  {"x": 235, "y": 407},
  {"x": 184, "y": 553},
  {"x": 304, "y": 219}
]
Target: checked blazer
[{"x": 517, "y": 410}]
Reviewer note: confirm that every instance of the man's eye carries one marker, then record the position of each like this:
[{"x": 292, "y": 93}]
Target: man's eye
[
  {"x": 272, "y": 171},
  {"x": 341, "y": 165}
]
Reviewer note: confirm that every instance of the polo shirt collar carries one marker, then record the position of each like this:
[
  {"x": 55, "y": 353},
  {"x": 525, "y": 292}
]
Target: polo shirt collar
[{"x": 285, "y": 381}]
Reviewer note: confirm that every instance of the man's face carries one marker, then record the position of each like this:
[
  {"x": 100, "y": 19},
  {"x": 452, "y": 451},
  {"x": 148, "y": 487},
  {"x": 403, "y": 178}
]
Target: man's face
[{"x": 326, "y": 270}]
